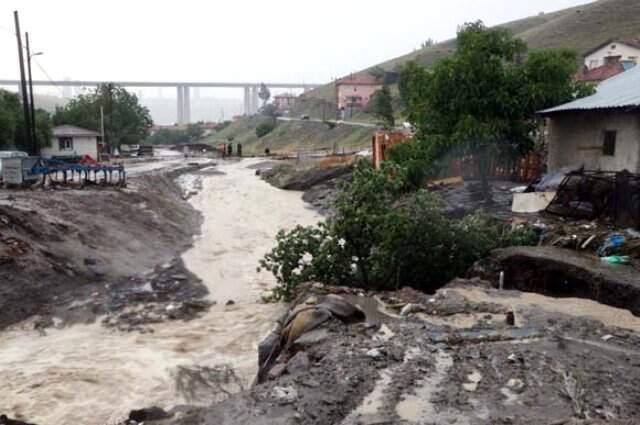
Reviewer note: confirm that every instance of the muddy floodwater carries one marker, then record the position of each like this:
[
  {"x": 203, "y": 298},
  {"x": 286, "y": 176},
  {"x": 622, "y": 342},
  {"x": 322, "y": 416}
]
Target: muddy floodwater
[{"x": 90, "y": 375}]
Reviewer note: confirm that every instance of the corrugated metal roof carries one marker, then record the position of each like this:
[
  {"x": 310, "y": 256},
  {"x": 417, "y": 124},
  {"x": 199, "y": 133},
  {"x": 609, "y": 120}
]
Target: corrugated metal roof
[
  {"x": 72, "y": 130},
  {"x": 620, "y": 91}
]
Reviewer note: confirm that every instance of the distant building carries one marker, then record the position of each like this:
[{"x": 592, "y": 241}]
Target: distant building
[
  {"x": 284, "y": 101},
  {"x": 354, "y": 92},
  {"x": 69, "y": 140},
  {"x": 598, "y": 132},
  {"x": 625, "y": 50},
  {"x": 612, "y": 67}
]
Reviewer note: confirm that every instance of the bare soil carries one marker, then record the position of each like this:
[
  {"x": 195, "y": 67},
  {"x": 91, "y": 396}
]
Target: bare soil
[
  {"x": 69, "y": 255},
  {"x": 429, "y": 366}
]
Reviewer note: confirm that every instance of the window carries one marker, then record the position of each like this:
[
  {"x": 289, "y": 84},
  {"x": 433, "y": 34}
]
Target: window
[
  {"x": 609, "y": 145},
  {"x": 594, "y": 63},
  {"x": 65, "y": 143}
]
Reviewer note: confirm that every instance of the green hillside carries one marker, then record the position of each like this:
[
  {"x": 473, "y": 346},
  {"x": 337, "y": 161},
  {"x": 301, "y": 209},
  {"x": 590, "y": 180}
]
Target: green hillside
[
  {"x": 580, "y": 28},
  {"x": 291, "y": 136}
]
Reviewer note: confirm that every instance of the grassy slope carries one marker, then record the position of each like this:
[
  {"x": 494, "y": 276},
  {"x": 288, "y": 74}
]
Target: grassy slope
[
  {"x": 294, "y": 135},
  {"x": 580, "y": 28}
]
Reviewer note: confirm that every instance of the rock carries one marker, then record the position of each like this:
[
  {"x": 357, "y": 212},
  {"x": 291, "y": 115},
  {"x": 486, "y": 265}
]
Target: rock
[
  {"x": 510, "y": 318},
  {"x": 375, "y": 354},
  {"x": 515, "y": 384},
  {"x": 341, "y": 309},
  {"x": 298, "y": 363},
  {"x": 474, "y": 379},
  {"x": 312, "y": 338},
  {"x": 607, "y": 337},
  {"x": 411, "y": 308},
  {"x": 303, "y": 322},
  {"x": 179, "y": 277},
  {"x": 284, "y": 395},
  {"x": 148, "y": 414},
  {"x": 230, "y": 302},
  {"x": 4, "y": 420},
  {"x": 90, "y": 261},
  {"x": 277, "y": 371}
]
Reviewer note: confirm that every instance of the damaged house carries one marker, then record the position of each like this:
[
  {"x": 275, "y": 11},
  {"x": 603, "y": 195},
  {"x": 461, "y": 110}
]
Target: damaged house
[{"x": 598, "y": 132}]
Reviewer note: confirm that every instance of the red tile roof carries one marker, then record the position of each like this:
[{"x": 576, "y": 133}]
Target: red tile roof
[
  {"x": 601, "y": 73},
  {"x": 360, "y": 79}
]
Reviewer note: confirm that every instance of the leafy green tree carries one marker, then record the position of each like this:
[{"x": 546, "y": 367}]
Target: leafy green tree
[
  {"x": 482, "y": 100},
  {"x": 429, "y": 42},
  {"x": 382, "y": 238},
  {"x": 9, "y": 117},
  {"x": 166, "y": 136},
  {"x": 126, "y": 121},
  {"x": 195, "y": 131},
  {"x": 264, "y": 93},
  {"x": 265, "y": 128},
  {"x": 12, "y": 128},
  {"x": 381, "y": 106}
]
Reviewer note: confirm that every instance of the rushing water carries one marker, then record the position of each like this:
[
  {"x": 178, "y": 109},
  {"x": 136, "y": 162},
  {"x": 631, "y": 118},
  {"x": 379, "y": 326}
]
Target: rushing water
[{"x": 91, "y": 375}]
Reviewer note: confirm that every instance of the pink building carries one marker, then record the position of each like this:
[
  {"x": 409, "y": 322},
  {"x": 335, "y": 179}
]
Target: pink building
[
  {"x": 354, "y": 91},
  {"x": 284, "y": 101}
]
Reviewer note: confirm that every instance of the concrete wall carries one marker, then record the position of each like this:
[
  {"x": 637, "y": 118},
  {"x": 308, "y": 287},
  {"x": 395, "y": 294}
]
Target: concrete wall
[
  {"x": 576, "y": 138},
  {"x": 346, "y": 91},
  {"x": 596, "y": 58},
  {"x": 81, "y": 146}
]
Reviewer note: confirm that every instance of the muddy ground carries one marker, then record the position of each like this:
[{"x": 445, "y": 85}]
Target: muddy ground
[
  {"x": 68, "y": 255},
  {"x": 451, "y": 358},
  {"x": 469, "y": 354}
]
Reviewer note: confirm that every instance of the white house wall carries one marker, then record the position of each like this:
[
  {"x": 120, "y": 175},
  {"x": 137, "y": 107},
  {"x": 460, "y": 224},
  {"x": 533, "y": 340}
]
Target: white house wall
[
  {"x": 596, "y": 58},
  {"x": 576, "y": 139},
  {"x": 81, "y": 146}
]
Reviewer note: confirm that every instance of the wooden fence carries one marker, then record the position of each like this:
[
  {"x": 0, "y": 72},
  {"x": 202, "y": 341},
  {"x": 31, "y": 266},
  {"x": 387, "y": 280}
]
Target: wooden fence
[{"x": 525, "y": 169}]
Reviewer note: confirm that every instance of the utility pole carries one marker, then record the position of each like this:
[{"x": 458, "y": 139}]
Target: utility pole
[
  {"x": 34, "y": 138},
  {"x": 23, "y": 86},
  {"x": 102, "y": 129}
]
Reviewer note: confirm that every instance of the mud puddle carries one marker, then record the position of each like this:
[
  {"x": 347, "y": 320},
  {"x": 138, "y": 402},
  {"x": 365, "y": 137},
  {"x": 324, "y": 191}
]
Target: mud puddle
[
  {"x": 610, "y": 316},
  {"x": 92, "y": 375}
]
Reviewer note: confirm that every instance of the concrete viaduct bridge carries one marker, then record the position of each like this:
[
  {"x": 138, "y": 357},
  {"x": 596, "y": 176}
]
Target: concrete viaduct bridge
[{"x": 183, "y": 91}]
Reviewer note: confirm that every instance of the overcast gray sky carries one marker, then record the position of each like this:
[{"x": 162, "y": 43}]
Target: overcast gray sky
[{"x": 233, "y": 40}]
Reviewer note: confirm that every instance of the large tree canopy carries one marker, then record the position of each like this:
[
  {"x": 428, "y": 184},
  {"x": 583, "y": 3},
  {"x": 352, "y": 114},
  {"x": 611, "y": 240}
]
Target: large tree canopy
[
  {"x": 125, "y": 120},
  {"x": 483, "y": 99},
  {"x": 12, "y": 128},
  {"x": 381, "y": 106}
]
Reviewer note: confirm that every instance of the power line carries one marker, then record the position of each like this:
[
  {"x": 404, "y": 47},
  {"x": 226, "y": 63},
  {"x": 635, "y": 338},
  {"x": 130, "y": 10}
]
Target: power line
[{"x": 48, "y": 77}]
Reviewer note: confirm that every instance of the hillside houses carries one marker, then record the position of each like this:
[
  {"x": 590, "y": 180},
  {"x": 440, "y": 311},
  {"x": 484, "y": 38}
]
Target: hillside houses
[
  {"x": 354, "y": 92},
  {"x": 624, "y": 51}
]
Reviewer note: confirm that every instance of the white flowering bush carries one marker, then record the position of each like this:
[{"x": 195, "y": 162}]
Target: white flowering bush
[{"x": 381, "y": 238}]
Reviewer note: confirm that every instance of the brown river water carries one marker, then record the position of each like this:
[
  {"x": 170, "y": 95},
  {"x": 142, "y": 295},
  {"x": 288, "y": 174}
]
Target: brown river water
[{"x": 89, "y": 375}]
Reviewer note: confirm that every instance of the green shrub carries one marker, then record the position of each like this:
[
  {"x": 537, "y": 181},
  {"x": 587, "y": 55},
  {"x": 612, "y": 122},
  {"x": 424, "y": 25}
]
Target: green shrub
[
  {"x": 382, "y": 238},
  {"x": 265, "y": 128}
]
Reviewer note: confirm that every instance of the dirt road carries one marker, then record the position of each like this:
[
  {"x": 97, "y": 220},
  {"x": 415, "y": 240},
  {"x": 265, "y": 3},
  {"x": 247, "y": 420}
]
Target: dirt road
[{"x": 89, "y": 374}]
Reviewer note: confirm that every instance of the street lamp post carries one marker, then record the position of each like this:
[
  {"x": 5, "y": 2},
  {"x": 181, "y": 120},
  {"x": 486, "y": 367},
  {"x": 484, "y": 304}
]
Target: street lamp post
[{"x": 35, "y": 148}]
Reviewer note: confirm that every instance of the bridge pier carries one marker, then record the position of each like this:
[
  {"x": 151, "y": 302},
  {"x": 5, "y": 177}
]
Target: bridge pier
[
  {"x": 187, "y": 104},
  {"x": 254, "y": 99},
  {"x": 246, "y": 100},
  {"x": 184, "y": 104},
  {"x": 251, "y": 100},
  {"x": 180, "y": 100}
]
